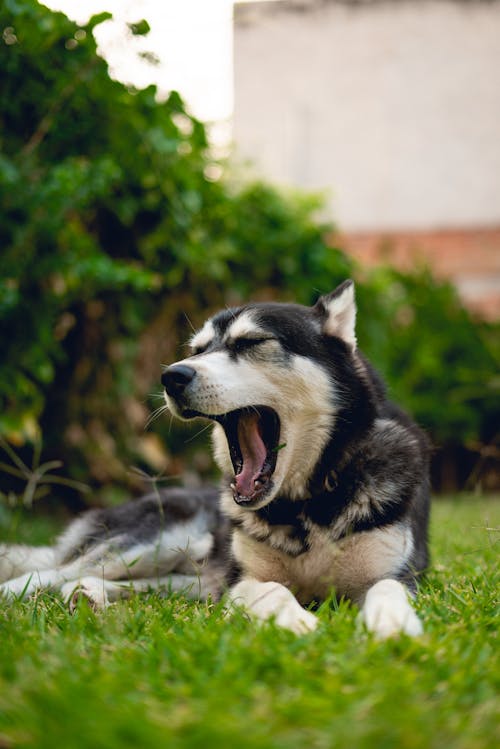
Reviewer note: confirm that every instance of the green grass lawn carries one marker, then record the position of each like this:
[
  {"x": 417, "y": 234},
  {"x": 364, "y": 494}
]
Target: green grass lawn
[{"x": 167, "y": 673}]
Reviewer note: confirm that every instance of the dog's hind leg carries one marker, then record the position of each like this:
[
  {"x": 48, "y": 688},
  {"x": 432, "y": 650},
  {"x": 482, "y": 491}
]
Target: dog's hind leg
[
  {"x": 100, "y": 592},
  {"x": 49, "y": 576},
  {"x": 17, "y": 559},
  {"x": 30, "y": 582},
  {"x": 141, "y": 565}
]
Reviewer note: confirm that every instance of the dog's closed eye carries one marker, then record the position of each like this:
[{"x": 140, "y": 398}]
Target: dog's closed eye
[
  {"x": 195, "y": 350},
  {"x": 245, "y": 344}
]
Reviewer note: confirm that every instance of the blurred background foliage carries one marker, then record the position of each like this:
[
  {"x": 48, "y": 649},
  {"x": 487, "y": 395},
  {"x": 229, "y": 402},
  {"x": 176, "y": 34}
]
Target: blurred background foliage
[{"x": 120, "y": 231}]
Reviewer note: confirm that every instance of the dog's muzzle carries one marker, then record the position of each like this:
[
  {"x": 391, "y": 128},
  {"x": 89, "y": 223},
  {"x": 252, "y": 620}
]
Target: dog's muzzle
[{"x": 252, "y": 433}]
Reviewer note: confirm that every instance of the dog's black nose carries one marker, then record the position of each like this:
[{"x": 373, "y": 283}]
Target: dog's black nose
[{"x": 176, "y": 378}]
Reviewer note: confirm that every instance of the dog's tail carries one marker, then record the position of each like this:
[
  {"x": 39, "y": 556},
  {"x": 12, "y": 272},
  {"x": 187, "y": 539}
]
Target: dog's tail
[{"x": 16, "y": 559}]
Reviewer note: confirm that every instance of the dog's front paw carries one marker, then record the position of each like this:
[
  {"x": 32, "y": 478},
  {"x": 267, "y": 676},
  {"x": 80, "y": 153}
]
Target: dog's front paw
[
  {"x": 387, "y": 611},
  {"x": 300, "y": 622},
  {"x": 272, "y": 600}
]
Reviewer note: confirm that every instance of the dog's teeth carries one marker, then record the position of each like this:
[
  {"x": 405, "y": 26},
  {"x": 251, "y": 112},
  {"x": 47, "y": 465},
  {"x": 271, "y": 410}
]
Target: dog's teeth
[{"x": 233, "y": 486}]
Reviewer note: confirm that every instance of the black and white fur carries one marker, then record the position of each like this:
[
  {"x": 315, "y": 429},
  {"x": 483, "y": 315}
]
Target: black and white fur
[
  {"x": 162, "y": 540},
  {"x": 325, "y": 483}
]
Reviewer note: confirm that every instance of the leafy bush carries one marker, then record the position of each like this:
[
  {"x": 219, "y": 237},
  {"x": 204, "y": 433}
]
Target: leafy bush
[
  {"x": 438, "y": 361},
  {"x": 116, "y": 231},
  {"x": 112, "y": 226}
]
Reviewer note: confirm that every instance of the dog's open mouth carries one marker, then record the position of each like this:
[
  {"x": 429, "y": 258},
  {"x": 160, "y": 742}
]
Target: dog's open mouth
[
  {"x": 253, "y": 438},
  {"x": 252, "y": 435}
]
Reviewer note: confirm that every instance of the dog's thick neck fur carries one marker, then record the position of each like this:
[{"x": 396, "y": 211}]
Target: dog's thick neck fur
[{"x": 321, "y": 494}]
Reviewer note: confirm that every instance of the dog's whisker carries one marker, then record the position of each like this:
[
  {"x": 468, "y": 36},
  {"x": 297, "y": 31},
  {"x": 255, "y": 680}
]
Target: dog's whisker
[
  {"x": 189, "y": 321},
  {"x": 155, "y": 415},
  {"x": 156, "y": 395},
  {"x": 194, "y": 436}
]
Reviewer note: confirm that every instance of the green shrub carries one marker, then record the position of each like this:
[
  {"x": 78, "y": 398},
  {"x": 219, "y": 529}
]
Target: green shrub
[
  {"x": 438, "y": 361},
  {"x": 115, "y": 234},
  {"x": 113, "y": 230}
]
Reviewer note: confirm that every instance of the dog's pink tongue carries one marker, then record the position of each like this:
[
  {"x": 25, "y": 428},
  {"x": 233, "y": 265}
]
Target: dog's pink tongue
[{"x": 253, "y": 452}]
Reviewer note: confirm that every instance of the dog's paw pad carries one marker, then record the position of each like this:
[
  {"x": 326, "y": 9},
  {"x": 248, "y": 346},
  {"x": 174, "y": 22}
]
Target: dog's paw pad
[
  {"x": 93, "y": 594},
  {"x": 80, "y": 594}
]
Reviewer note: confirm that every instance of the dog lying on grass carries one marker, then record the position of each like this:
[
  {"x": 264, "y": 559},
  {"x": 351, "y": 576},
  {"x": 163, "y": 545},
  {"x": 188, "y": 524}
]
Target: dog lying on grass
[{"x": 325, "y": 483}]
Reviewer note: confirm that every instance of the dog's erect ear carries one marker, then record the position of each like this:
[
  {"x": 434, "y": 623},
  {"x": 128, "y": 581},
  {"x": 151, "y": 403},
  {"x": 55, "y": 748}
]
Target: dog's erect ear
[{"x": 337, "y": 312}]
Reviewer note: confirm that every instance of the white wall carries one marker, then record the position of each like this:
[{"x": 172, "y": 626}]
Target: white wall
[{"x": 392, "y": 106}]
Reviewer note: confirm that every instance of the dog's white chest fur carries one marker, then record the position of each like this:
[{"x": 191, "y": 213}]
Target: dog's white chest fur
[
  {"x": 346, "y": 566},
  {"x": 310, "y": 576}
]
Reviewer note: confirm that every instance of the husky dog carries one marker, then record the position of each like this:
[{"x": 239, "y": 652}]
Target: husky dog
[{"x": 325, "y": 482}]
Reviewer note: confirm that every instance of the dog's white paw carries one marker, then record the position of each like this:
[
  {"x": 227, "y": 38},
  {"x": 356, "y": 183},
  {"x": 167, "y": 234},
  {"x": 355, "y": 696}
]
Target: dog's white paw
[
  {"x": 90, "y": 588},
  {"x": 272, "y": 600},
  {"x": 387, "y": 611},
  {"x": 300, "y": 622}
]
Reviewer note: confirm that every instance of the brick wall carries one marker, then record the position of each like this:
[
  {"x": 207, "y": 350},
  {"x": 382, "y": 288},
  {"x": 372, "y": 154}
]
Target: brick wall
[{"x": 470, "y": 258}]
